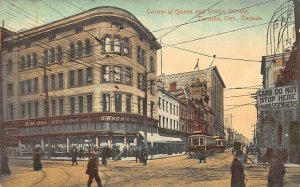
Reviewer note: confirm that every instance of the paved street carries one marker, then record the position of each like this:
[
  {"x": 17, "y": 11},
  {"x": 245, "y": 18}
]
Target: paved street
[{"x": 174, "y": 171}]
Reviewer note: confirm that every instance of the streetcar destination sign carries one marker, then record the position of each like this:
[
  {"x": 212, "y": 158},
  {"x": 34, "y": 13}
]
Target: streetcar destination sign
[{"x": 278, "y": 98}]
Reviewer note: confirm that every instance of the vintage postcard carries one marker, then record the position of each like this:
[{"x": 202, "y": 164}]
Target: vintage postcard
[{"x": 149, "y": 93}]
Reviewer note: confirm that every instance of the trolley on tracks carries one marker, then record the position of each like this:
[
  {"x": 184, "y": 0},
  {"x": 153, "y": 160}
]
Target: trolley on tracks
[{"x": 205, "y": 144}]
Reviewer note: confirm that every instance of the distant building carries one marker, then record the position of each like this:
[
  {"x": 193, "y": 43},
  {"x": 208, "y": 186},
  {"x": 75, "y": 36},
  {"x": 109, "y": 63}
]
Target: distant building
[
  {"x": 79, "y": 82},
  {"x": 204, "y": 85}
]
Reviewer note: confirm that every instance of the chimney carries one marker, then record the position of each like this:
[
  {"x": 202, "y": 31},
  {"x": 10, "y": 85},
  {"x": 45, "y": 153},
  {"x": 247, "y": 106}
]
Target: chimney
[{"x": 173, "y": 87}]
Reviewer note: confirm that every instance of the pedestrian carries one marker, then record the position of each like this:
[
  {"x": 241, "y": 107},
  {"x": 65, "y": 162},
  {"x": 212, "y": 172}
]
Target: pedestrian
[
  {"x": 92, "y": 169},
  {"x": 104, "y": 156},
  {"x": 201, "y": 157},
  {"x": 237, "y": 171},
  {"x": 276, "y": 171},
  {"x": 4, "y": 164},
  {"x": 137, "y": 153},
  {"x": 81, "y": 151},
  {"x": 37, "y": 164},
  {"x": 74, "y": 156}
]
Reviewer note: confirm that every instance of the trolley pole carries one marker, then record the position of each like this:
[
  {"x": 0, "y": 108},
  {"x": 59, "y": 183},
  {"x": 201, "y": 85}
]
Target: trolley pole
[{"x": 46, "y": 91}]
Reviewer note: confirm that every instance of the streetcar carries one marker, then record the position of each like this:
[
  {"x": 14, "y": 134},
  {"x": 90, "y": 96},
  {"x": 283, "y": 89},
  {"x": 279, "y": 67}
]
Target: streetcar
[{"x": 201, "y": 143}]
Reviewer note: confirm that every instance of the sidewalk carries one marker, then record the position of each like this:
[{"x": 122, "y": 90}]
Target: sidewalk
[{"x": 159, "y": 156}]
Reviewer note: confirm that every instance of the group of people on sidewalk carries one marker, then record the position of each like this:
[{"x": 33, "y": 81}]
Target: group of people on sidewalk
[{"x": 275, "y": 176}]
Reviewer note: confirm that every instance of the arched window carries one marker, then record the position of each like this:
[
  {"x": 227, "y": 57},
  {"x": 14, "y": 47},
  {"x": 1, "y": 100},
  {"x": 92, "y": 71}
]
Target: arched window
[
  {"x": 45, "y": 58},
  {"x": 117, "y": 46},
  {"x": 107, "y": 44},
  {"x": 59, "y": 54},
  {"x": 52, "y": 55},
  {"x": 125, "y": 47},
  {"x": 72, "y": 50},
  {"x": 28, "y": 61},
  {"x": 79, "y": 49},
  {"x": 88, "y": 47},
  {"x": 34, "y": 59}
]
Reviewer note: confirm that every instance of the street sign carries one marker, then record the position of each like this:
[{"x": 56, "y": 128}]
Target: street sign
[{"x": 278, "y": 98}]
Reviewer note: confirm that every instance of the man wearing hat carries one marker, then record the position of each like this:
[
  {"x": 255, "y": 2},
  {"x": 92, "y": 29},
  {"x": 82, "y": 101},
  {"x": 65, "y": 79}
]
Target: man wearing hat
[
  {"x": 237, "y": 171},
  {"x": 92, "y": 169}
]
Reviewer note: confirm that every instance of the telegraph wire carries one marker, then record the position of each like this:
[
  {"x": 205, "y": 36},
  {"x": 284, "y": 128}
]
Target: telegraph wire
[{"x": 252, "y": 103}]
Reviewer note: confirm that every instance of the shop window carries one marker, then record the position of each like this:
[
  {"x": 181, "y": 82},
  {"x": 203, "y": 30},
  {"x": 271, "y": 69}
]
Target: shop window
[{"x": 106, "y": 102}]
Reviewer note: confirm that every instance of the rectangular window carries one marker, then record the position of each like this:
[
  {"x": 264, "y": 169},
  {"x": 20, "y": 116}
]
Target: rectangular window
[
  {"x": 60, "y": 81},
  {"x": 80, "y": 104},
  {"x": 61, "y": 106},
  {"x": 23, "y": 109},
  {"x": 89, "y": 101},
  {"x": 105, "y": 73},
  {"x": 170, "y": 108},
  {"x": 167, "y": 103},
  {"x": 171, "y": 124},
  {"x": 159, "y": 119},
  {"x": 117, "y": 73},
  {"x": 10, "y": 90},
  {"x": 174, "y": 109},
  {"x": 139, "y": 105},
  {"x": 128, "y": 75},
  {"x": 52, "y": 77},
  {"x": 45, "y": 83},
  {"x": 152, "y": 109},
  {"x": 177, "y": 110},
  {"x": 80, "y": 77},
  {"x": 22, "y": 87},
  {"x": 9, "y": 66},
  {"x": 29, "y": 114},
  {"x": 28, "y": 85},
  {"x": 46, "y": 108},
  {"x": 10, "y": 114},
  {"x": 152, "y": 87},
  {"x": 72, "y": 78},
  {"x": 89, "y": 75},
  {"x": 106, "y": 102},
  {"x": 163, "y": 122},
  {"x": 163, "y": 104},
  {"x": 53, "y": 107},
  {"x": 118, "y": 102},
  {"x": 167, "y": 123},
  {"x": 36, "y": 85},
  {"x": 141, "y": 81},
  {"x": 128, "y": 103},
  {"x": 72, "y": 105},
  {"x": 36, "y": 109},
  {"x": 159, "y": 102}
]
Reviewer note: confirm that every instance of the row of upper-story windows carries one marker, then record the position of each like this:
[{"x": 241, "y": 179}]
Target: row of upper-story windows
[
  {"x": 116, "y": 45},
  {"x": 168, "y": 123},
  {"x": 168, "y": 107}
]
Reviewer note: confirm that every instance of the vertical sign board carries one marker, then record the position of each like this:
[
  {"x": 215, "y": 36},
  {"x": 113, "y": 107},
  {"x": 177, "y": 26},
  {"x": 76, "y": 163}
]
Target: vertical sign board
[{"x": 278, "y": 98}]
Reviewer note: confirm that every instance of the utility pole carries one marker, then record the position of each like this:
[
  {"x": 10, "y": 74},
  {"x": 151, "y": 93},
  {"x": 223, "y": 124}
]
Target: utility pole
[
  {"x": 46, "y": 91},
  {"x": 297, "y": 31},
  {"x": 145, "y": 110}
]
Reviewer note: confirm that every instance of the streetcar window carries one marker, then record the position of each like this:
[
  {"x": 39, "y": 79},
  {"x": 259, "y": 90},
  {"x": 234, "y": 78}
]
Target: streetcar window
[
  {"x": 195, "y": 141},
  {"x": 201, "y": 141}
]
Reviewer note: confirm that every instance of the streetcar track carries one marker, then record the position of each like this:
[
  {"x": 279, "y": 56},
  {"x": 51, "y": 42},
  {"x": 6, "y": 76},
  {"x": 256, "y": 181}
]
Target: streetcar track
[{"x": 44, "y": 176}]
